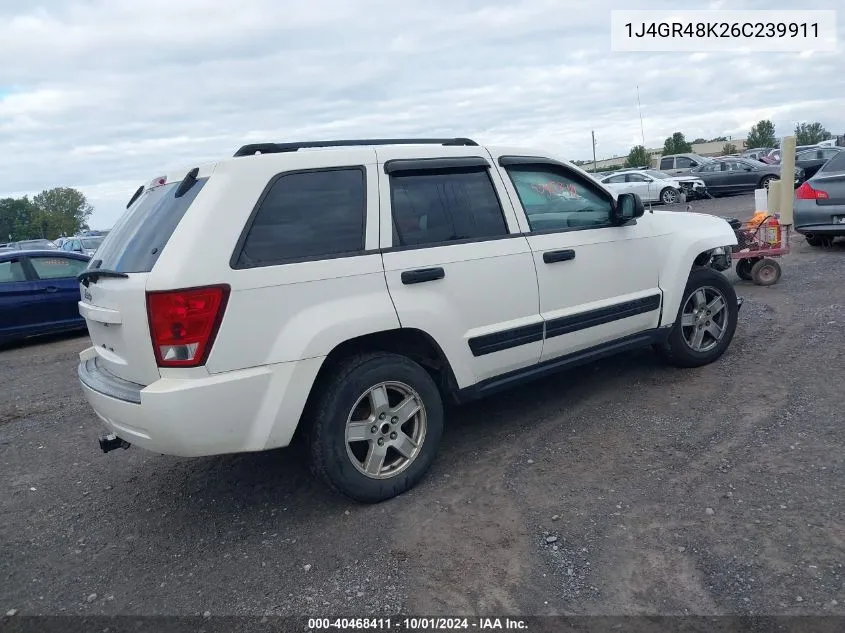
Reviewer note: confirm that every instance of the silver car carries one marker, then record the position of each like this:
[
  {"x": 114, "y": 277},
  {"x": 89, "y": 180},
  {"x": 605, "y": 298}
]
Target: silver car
[
  {"x": 820, "y": 204},
  {"x": 675, "y": 164}
]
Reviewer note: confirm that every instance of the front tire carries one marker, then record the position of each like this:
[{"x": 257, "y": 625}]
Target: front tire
[
  {"x": 669, "y": 196},
  {"x": 376, "y": 426},
  {"x": 706, "y": 321}
]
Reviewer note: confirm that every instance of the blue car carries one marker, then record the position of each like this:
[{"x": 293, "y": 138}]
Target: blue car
[{"x": 39, "y": 293}]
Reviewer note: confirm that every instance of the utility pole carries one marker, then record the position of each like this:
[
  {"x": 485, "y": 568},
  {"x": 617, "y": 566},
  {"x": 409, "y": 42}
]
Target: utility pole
[
  {"x": 640, "y": 110},
  {"x": 593, "y": 133}
]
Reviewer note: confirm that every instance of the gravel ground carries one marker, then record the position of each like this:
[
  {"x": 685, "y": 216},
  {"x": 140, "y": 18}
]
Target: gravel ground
[{"x": 623, "y": 487}]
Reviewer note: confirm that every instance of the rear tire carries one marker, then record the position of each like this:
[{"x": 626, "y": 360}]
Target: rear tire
[
  {"x": 765, "y": 272},
  {"x": 361, "y": 444},
  {"x": 699, "y": 313},
  {"x": 819, "y": 240}
]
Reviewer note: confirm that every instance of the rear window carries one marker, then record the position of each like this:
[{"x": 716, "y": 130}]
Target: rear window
[
  {"x": 35, "y": 244},
  {"x": 837, "y": 163},
  {"x": 138, "y": 238}
]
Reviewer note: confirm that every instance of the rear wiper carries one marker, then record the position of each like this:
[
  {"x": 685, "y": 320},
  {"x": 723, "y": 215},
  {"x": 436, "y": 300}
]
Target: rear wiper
[{"x": 87, "y": 276}]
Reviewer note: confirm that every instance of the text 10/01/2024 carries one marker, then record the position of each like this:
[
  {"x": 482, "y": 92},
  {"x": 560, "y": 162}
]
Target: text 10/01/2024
[{"x": 417, "y": 624}]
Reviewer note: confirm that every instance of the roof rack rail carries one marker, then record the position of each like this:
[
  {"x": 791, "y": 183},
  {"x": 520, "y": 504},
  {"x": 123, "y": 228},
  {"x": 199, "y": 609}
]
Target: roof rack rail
[{"x": 277, "y": 148}]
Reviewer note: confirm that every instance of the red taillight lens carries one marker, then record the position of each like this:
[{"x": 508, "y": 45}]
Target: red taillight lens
[
  {"x": 806, "y": 192},
  {"x": 183, "y": 323}
]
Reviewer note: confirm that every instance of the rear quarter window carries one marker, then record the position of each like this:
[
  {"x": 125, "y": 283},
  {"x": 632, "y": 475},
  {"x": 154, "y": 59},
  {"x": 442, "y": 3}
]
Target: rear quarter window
[
  {"x": 304, "y": 216},
  {"x": 11, "y": 271},
  {"x": 136, "y": 241}
]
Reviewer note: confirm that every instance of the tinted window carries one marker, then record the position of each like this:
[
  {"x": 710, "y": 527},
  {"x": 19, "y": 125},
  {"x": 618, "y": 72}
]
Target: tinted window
[
  {"x": 554, "y": 199},
  {"x": 11, "y": 271},
  {"x": 443, "y": 206},
  {"x": 138, "y": 238},
  {"x": 682, "y": 162},
  {"x": 637, "y": 178},
  {"x": 619, "y": 178},
  {"x": 710, "y": 167},
  {"x": 829, "y": 153},
  {"x": 308, "y": 215},
  {"x": 667, "y": 163},
  {"x": 56, "y": 267}
]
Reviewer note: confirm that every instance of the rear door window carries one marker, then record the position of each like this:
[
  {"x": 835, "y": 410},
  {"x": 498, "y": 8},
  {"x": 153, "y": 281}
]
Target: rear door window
[
  {"x": 438, "y": 207},
  {"x": 134, "y": 244},
  {"x": 57, "y": 267},
  {"x": 667, "y": 163}
]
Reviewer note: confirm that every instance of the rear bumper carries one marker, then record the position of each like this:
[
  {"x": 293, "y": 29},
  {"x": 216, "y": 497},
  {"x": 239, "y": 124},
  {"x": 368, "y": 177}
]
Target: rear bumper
[
  {"x": 232, "y": 412},
  {"x": 833, "y": 230},
  {"x": 813, "y": 218}
]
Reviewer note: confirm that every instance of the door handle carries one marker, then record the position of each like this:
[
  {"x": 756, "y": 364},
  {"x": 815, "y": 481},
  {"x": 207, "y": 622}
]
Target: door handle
[
  {"x": 51, "y": 289},
  {"x": 422, "y": 274},
  {"x": 550, "y": 257}
]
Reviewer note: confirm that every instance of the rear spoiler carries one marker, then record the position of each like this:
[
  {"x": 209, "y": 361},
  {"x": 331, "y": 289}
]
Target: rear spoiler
[{"x": 184, "y": 186}]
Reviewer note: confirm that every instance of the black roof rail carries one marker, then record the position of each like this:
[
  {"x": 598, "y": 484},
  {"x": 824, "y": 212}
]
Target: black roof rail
[{"x": 276, "y": 148}]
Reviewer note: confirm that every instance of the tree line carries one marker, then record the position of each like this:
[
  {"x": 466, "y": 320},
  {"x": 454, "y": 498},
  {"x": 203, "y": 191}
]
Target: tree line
[
  {"x": 49, "y": 214},
  {"x": 762, "y": 134}
]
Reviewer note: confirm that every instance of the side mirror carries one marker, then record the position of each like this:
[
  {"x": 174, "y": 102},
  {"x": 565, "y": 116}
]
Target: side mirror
[{"x": 628, "y": 206}]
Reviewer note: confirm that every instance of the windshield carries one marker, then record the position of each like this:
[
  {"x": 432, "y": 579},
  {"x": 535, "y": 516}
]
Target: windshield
[
  {"x": 92, "y": 243},
  {"x": 660, "y": 175}
]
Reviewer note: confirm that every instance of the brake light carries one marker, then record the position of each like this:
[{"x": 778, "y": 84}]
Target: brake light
[
  {"x": 806, "y": 192},
  {"x": 184, "y": 323}
]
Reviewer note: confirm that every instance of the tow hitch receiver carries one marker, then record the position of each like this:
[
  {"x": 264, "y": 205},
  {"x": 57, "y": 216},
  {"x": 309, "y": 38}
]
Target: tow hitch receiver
[{"x": 112, "y": 442}]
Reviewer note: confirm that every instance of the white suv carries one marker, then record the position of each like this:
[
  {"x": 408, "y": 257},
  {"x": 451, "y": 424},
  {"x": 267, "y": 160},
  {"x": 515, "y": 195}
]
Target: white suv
[{"x": 347, "y": 289}]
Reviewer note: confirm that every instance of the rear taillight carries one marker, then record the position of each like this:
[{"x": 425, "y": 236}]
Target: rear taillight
[
  {"x": 183, "y": 323},
  {"x": 806, "y": 192}
]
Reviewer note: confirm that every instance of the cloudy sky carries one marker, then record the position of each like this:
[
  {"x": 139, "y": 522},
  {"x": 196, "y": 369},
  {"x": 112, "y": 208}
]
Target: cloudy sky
[{"x": 103, "y": 94}]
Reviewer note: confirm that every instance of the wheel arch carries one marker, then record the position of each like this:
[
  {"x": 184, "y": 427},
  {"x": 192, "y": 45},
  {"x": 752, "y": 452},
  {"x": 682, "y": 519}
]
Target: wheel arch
[
  {"x": 677, "y": 191},
  {"x": 688, "y": 249},
  {"x": 413, "y": 343}
]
